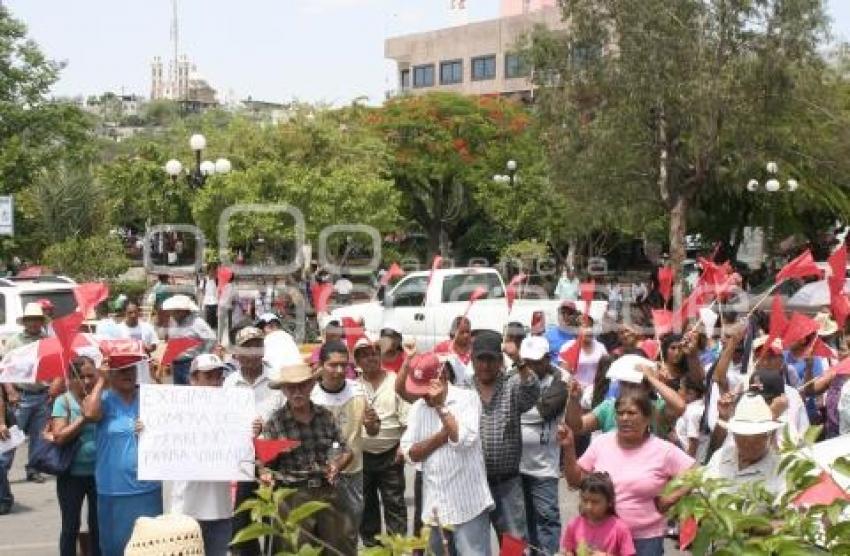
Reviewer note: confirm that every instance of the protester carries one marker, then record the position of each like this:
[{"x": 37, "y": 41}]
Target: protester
[
  {"x": 208, "y": 286},
  {"x": 558, "y": 335},
  {"x": 109, "y": 326},
  {"x": 28, "y": 400},
  {"x": 313, "y": 468},
  {"x": 459, "y": 344},
  {"x": 7, "y": 420},
  {"x": 640, "y": 465},
  {"x": 568, "y": 286},
  {"x": 390, "y": 343},
  {"x": 49, "y": 314},
  {"x": 503, "y": 400},
  {"x": 268, "y": 323},
  {"x": 540, "y": 449},
  {"x": 77, "y": 484},
  {"x": 597, "y": 528},
  {"x": 135, "y": 328},
  {"x": 251, "y": 374},
  {"x": 345, "y": 399},
  {"x": 807, "y": 368},
  {"x": 590, "y": 352},
  {"x": 342, "y": 290},
  {"x": 185, "y": 322},
  {"x": 751, "y": 457},
  {"x": 443, "y": 435},
  {"x": 383, "y": 463},
  {"x": 208, "y": 502},
  {"x": 688, "y": 434},
  {"x": 121, "y": 496}
]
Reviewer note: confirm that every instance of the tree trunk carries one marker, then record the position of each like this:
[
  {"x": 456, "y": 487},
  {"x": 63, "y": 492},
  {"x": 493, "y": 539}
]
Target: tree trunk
[{"x": 678, "y": 230}]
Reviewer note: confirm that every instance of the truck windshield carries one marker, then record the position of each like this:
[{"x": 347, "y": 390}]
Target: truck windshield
[
  {"x": 459, "y": 287},
  {"x": 63, "y": 301}
]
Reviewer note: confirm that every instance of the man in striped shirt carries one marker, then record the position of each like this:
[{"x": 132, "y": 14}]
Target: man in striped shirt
[
  {"x": 442, "y": 434},
  {"x": 503, "y": 399}
]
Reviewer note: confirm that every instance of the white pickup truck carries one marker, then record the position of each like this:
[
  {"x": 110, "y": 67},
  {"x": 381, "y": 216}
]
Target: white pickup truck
[{"x": 425, "y": 312}]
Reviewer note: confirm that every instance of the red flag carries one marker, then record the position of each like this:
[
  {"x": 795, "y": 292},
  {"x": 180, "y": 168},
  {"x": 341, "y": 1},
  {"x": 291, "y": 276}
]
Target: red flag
[
  {"x": 662, "y": 319},
  {"x": 538, "y": 322},
  {"x": 651, "y": 348},
  {"x": 267, "y": 450},
  {"x": 435, "y": 265},
  {"x": 687, "y": 532},
  {"x": 838, "y": 264},
  {"x": 570, "y": 354},
  {"x": 798, "y": 328},
  {"x": 353, "y": 332},
  {"x": 824, "y": 492},
  {"x": 689, "y": 308},
  {"x": 66, "y": 329},
  {"x": 477, "y": 294},
  {"x": 321, "y": 296},
  {"x": 223, "y": 276},
  {"x": 842, "y": 368},
  {"x": 510, "y": 291},
  {"x": 395, "y": 271},
  {"x": 512, "y": 546},
  {"x": 778, "y": 322},
  {"x": 839, "y": 306},
  {"x": 177, "y": 346},
  {"x": 820, "y": 349},
  {"x": 587, "y": 289},
  {"x": 801, "y": 267},
  {"x": 665, "y": 283},
  {"x": 90, "y": 295}
]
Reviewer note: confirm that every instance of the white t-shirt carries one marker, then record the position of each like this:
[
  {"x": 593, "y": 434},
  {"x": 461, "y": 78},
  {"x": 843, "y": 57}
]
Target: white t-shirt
[
  {"x": 587, "y": 362},
  {"x": 688, "y": 426},
  {"x": 144, "y": 332},
  {"x": 343, "y": 286},
  {"x": 210, "y": 292},
  {"x": 203, "y": 500},
  {"x": 266, "y": 400}
]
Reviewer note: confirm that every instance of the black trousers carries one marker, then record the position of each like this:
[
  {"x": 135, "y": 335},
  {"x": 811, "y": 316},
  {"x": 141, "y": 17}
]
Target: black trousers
[
  {"x": 71, "y": 490},
  {"x": 211, "y": 316},
  {"x": 383, "y": 476}
]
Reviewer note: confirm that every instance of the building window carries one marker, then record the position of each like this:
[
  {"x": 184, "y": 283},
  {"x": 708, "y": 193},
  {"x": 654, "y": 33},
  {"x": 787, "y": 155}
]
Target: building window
[
  {"x": 423, "y": 76},
  {"x": 515, "y": 66},
  {"x": 405, "y": 80},
  {"x": 451, "y": 72},
  {"x": 484, "y": 67}
]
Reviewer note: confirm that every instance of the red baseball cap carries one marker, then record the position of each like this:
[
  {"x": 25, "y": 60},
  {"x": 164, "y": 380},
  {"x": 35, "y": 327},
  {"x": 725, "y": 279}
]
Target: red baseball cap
[
  {"x": 423, "y": 369},
  {"x": 46, "y": 304}
]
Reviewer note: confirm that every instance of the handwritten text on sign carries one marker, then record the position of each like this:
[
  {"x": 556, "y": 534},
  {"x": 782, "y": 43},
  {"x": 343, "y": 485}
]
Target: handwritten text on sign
[{"x": 195, "y": 433}]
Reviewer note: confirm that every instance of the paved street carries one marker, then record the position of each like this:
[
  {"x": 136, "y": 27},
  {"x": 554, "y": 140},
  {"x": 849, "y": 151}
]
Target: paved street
[{"x": 33, "y": 526}]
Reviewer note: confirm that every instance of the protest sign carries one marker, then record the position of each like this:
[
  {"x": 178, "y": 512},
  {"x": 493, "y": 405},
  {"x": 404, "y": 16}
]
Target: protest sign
[{"x": 195, "y": 433}]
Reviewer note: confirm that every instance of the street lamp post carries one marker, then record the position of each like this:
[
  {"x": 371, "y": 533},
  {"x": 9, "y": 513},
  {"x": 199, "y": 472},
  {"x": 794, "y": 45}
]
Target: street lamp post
[
  {"x": 510, "y": 177},
  {"x": 197, "y": 177},
  {"x": 772, "y": 185}
]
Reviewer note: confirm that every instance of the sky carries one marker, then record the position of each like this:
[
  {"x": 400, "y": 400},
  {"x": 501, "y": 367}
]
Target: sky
[{"x": 275, "y": 50}]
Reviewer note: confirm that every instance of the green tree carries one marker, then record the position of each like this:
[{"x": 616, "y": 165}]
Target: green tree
[
  {"x": 85, "y": 259},
  {"x": 660, "y": 104}
]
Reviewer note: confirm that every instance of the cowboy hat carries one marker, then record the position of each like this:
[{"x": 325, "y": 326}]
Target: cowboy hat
[
  {"x": 32, "y": 310},
  {"x": 752, "y": 416},
  {"x": 826, "y": 326},
  {"x": 626, "y": 369},
  {"x": 179, "y": 302},
  {"x": 166, "y": 534},
  {"x": 775, "y": 346}
]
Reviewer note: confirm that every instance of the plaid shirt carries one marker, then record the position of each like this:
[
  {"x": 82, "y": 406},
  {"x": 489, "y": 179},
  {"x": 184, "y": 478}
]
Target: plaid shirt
[
  {"x": 501, "y": 434},
  {"x": 317, "y": 437}
]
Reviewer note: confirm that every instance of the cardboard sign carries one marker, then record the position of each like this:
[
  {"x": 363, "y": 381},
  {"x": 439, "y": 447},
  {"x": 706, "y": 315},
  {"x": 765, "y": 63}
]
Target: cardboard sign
[{"x": 196, "y": 433}]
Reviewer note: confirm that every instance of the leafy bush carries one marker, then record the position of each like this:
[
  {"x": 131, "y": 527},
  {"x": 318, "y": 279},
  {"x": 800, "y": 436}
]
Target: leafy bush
[
  {"x": 133, "y": 290},
  {"x": 751, "y": 521},
  {"x": 85, "y": 259}
]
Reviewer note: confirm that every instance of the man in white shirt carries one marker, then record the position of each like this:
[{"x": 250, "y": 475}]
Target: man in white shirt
[
  {"x": 442, "y": 434},
  {"x": 343, "y": 288},
  {"x": 251, "y": 374},
  {"x": 137, "y": 329},
  {"x": 209, "y": 292},
  {"x": 184, "y": 322}
]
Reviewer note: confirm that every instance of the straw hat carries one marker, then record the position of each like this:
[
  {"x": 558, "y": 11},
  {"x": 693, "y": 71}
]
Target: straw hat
[
  {"x": 32, "y": 310},
  {"x": 826, "y": 326},
  {"x": 166, "y": 535},
  {"x": 752, "y": 416},
  {"x": 179, "y": 303},
  {"x": 776, "y": 345}
]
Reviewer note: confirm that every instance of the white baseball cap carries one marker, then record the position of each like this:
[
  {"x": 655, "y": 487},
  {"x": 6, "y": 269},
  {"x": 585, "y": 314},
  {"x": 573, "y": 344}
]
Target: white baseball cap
[
  {"x": 206, "y": 362},
  {"x": 534, "y": 348}
]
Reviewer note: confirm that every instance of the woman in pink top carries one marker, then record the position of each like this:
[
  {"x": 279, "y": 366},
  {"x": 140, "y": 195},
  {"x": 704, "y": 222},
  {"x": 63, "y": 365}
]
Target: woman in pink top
[{"x": 640, "y": 465}]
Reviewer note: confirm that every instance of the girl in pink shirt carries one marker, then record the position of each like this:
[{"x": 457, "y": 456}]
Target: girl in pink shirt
[{"x": 598, "y": 528}]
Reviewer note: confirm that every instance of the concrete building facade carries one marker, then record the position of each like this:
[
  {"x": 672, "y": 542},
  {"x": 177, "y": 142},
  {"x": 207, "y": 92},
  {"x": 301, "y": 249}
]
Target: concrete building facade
[{"x": 477, "y": 58}]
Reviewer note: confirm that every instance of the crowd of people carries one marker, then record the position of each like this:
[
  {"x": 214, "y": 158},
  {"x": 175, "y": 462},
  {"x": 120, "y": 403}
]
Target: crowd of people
[{"x": 489, "y": 421}]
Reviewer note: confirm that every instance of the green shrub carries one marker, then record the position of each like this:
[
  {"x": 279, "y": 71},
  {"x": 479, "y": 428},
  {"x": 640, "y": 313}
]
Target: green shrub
[{"x": 86, "y": 259}]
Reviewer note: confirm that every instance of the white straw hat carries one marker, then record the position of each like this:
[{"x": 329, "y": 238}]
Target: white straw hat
[
  {"x": 166, "y": 535},
  {"x": 752, "y": 416},
  {"x": 179, "y": 302}
]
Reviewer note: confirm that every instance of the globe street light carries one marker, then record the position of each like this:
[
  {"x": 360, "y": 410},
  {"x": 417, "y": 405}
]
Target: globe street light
[
  {"x": 202, "y": 169},
  {"x": 510, "y": 177},
  {"x": 772, "y": 185}
]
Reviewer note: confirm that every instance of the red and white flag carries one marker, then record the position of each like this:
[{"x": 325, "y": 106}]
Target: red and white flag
[{"x": 39, "y": 361}]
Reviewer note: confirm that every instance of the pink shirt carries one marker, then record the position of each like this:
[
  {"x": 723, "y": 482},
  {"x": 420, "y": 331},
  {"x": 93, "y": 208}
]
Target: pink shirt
[
  {"x": 639, "y": 475},
  {"x": 612, "y": 536}
]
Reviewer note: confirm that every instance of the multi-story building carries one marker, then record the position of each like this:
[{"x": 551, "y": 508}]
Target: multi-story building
[{"x": 474, "y": 58}]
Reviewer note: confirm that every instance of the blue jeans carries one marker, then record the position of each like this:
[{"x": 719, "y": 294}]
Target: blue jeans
[
  {"x": 217, "y": 534},
  {"x": 31, "y": 414},
  {"x": 6, "y": 498},
  {"x": 542, "y": 512},
  {"x": 653, "y": 546},
  {"x": 180, "y": 371},
  {"x": 509, "y": 514},
  {"x": 472, "y": 537}
]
